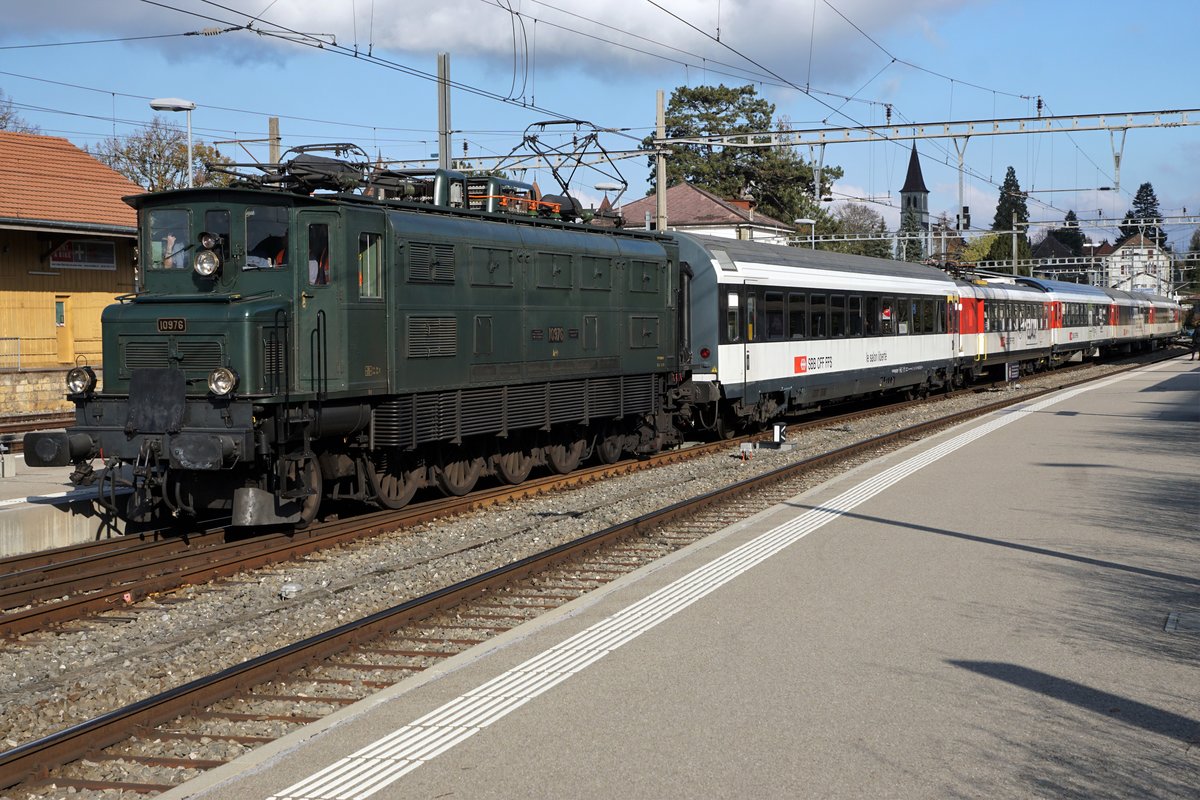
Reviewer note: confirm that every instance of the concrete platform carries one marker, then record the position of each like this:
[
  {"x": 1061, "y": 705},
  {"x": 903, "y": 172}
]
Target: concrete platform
[
  {"x": 992, "y": 613},
  {"x": 40, "y": 509}
]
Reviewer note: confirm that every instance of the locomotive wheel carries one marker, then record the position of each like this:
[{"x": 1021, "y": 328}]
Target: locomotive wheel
[
  {"x": 457, "y": 474},
  {"x": 394, "y": 480},
  {"x": 726, "y": 425},
  {"x": 564, "y": 456},
  {"x": 307, "y": 473},
  {"x": 514, "y": 462},
  {"x": 611, "y": 446}
]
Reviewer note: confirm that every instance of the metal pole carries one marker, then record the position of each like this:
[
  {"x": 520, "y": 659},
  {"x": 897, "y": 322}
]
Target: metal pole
[
  {"x": 189, "y": 124},
  {"x": 443, "y": 62},
  {"x": 660, "y": 168},
  {"x": 1014, "y": 229}
]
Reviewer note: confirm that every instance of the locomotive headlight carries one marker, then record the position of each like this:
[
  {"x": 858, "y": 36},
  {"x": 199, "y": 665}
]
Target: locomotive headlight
[
  {"x": 222, "y": 381},
  {"x": 209, "y": 241},
  {"x": 207, "y": 263},
  {"x": 81, "y": 380}
]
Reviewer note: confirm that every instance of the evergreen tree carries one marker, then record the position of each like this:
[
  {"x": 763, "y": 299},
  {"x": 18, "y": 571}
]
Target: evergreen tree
[
  {"x": 780, "y": 181},
  {"x": 910, "y": 246},
  {"x": 1142, "y": 217},
  {"x": 1012, "y": 201},
  {"x": 1070, "y": 235}
]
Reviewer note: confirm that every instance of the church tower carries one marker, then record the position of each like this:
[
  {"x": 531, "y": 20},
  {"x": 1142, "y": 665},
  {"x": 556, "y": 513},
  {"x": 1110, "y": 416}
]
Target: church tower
[{"x": 914, "y": 196}]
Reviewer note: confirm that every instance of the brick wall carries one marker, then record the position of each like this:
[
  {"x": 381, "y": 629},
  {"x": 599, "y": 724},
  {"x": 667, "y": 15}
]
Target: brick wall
[{"x": 36, "y": 391}]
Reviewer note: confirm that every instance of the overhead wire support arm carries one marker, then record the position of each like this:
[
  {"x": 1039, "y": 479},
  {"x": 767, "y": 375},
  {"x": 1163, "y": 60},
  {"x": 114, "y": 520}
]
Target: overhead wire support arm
[{"x": 1121, "y": 121}]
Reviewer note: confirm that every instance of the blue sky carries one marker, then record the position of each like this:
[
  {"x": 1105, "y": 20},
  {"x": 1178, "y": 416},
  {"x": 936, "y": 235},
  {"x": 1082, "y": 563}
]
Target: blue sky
[{"x": 931, "y": 60}]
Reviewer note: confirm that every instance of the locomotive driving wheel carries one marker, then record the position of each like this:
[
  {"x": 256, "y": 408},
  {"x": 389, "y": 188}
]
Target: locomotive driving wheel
[
  {"x": 565, "y": 453},
  {"x": 458, "y": 470},
  {"x": 514, "y": 461},
  {"x": 611, "y": 446},
  {"x": 394, "y": 477}
]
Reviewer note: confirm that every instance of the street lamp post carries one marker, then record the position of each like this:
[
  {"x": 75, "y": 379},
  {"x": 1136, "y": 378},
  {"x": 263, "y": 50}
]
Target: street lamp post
[
  {"x": 177, "y": 104},
  {"x": 812, "y": 235}
]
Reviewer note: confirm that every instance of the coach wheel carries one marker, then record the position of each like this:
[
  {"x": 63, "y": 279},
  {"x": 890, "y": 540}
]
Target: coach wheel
[
  {"x": 564, "y": 456},
  {"x": 725, "y": 426},
  {"x": 514, "y": 462},
  {"x": 302, "y": 475},
  {"x": 611, "y": 446},
  {"x": 394, "y": 478},
  {"x": 457, "y": 474}
]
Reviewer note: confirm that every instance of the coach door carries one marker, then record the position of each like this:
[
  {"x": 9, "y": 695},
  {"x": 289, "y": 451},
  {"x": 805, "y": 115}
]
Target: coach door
[{"x": 321, "y": 285}]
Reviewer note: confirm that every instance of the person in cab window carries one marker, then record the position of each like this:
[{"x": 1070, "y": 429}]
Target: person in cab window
[
  {"x": 174, "y": 255},
  {"x": 318, "y": 269}
]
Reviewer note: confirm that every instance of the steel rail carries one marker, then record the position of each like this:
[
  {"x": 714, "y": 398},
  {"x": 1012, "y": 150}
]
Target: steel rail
[{"x": 34, "y": 759}]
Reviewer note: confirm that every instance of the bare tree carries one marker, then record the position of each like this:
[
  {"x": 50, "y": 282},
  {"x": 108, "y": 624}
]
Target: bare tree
[
  {"x": 10, "y": 120},
  {"x": 156, "y": 158}
]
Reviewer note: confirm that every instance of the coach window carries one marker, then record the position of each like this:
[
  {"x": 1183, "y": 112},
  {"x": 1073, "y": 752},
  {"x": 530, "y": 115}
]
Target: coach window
[
  {"x": 854, "y": 318},
  {"x": 370, "y": 265},
  {"x": 773, "y": 306},
  {"x": 928, "y": 309},
  {"x": 818, "y": 316},
  {"x": 733, "y": 324},
  {"x": 752, "y": 320},
  {"x": 903, "y": 317},
  {"x": 870, "y": 317},
  {"x": 797, "y": 315},
  {"x": 837, "y": 315},
  {"x": 169, "y": 238},
  {"x": 266, "y": 237},
  {"x": 886, "y": 323},
  {"x": 940, "y": 313}
]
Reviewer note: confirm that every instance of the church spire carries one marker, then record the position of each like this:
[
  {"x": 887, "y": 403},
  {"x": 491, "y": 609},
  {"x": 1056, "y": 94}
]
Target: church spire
[{"x": 914, "y": 182}]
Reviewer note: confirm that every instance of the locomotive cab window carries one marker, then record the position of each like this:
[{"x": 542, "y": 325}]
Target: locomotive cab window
[
  {"x": 170, "y": 238},
  {"x": 266, "y": 237},
  {"x": 370, "y": 266},
  {"x": 318, "y": 254},
  {"x": 217, "y": 223}
]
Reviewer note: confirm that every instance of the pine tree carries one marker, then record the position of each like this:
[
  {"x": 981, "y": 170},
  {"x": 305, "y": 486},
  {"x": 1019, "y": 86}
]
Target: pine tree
[
  {"x": 1011, "y": 202},
  {"x": 911, "y": 245},
  {"x": 1142, "y": 217},
  {"x": 1070, "y": 235}
]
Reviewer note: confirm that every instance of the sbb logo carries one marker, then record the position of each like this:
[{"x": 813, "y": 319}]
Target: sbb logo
[{"x": 801, "y": 364}]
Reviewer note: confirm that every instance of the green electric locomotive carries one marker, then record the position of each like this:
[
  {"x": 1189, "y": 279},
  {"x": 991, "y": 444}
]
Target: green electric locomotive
[{"x": 325, "y": 332}]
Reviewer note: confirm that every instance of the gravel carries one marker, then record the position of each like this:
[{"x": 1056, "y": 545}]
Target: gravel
[{"x": 53, "y": 680}]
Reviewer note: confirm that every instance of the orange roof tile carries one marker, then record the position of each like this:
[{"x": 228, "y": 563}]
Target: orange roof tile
[{"x": 48, "y": 179}]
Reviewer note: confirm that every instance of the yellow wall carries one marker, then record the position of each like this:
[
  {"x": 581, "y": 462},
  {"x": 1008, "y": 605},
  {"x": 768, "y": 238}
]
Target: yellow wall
[{"x": 28, "y": 301}]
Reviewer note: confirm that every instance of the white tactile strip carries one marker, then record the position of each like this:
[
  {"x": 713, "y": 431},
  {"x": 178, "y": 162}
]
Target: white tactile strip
[{"x": 363, "y": 773}]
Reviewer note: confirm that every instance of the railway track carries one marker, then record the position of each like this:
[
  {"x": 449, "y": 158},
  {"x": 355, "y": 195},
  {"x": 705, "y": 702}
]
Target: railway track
[
  {"x": 12, "y": 429},
  {"x": 39, "y": 590},
  {"x": 169, "y": 738}
]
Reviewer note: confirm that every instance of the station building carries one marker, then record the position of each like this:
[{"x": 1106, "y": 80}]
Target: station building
[{"x": 67, "y": 245}]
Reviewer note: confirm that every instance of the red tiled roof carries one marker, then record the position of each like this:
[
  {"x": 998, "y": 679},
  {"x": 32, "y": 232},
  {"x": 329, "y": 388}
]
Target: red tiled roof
[
  {"x": 691, "y": 205},
  {"x": 48, "y": 179}
]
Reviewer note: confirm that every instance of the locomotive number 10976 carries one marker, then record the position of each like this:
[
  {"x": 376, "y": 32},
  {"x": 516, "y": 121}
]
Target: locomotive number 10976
[{"x": 171, "y": 325}]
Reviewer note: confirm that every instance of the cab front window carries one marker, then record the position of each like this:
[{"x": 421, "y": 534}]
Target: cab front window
[
  {"x": 266, "y": 237},
  {"x": 169, "y": 238}
]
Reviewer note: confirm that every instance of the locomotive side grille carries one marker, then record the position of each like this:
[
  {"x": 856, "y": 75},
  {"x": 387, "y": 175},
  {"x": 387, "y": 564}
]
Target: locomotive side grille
[
  {"x": 431, "y": 337},
  {"x": 478, "y": 409},
  {"x": 431, "y": 263},
  {"x": 604, "y": 399},
  {"x": 567, "y": 401},
  {"x": 440, "y": 416},
  {"x": 273, "y": 363},
  {"x": 526, "y": 405}
]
